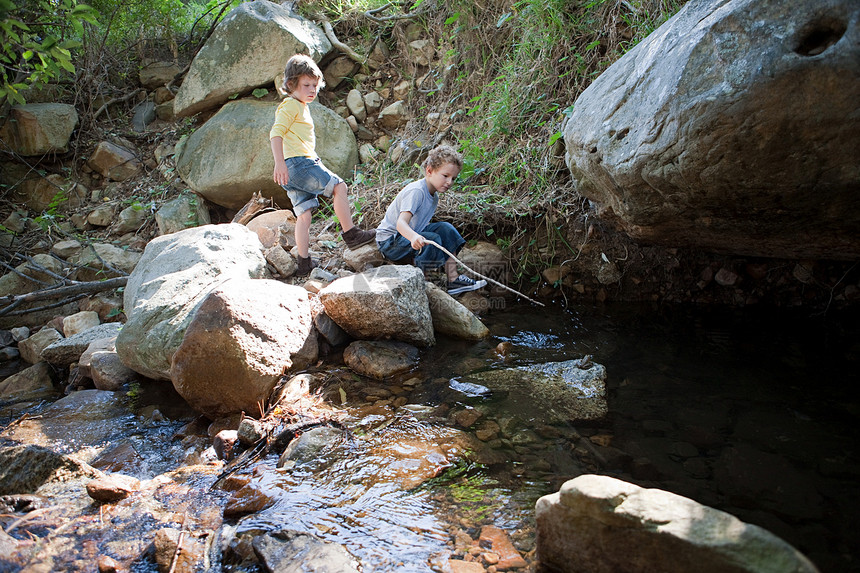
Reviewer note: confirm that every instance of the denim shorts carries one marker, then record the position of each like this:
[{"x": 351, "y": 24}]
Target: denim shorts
[
  {"x": 309, "y": 179},
  {"x": 397, "y": 248}
]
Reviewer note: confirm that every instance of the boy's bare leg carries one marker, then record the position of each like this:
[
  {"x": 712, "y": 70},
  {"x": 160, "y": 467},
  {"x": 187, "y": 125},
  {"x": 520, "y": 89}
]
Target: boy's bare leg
[
  {"x": 303, "y": 232},
  {"x": 340, "y": 202},
  {"x": 451, "y": 269}
]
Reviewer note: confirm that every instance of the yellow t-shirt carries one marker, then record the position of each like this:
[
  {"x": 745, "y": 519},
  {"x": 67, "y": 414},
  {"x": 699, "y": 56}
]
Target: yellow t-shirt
[{"x": 293, "y": 123}]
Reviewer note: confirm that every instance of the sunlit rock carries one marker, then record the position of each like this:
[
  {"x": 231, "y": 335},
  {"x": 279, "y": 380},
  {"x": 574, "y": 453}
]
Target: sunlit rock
[
  {"x": 294, "y": 551},
  {"x": 26, "y": 468},
  {"x": 176, "y": 273},
  {"x": 248, "y": 49},
  {"x": 29, "y": 384},
  {"x": 242, "y": 338},
  {"x": 31, "y": 347},
  {"x": 114, "y": 162},
  {"x": 65, "y": 351},
  {"x": 39, "y": 128},
  {"x": 598, "y": 523},
  {"x": 452, "y": 318},
  {"x": 388, "y": 302},
  {"x": 112, "y": 487}
]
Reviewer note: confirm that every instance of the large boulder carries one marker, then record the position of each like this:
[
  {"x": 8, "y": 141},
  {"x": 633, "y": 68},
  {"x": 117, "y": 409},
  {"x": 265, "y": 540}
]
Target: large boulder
[
  {"x": 175, "y": 274},
  {"x": 388, "y": 302},
  {"x": 229, "y": 157},
  {"x": 242, "y": 338},
  {"x": 733, "y": 127},
  {"x": 248, "y": 49},
  {"x": 601, "y": 524},
  {"x": 39, "y": 128}
]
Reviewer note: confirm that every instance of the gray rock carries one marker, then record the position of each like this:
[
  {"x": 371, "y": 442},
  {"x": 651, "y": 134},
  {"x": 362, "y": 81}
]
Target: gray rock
[
  {"x": 39, "y": 128},
  {"x": 100, "y": 257},
  {"x": 394, "y": 115},
  {"x": 65, "y": 351},
  {"x": 288, "y": 551},
  {"x": 651, "y": 530},
  {"x": 181, "y": 213},
  {"x": 176, "y": 273},
  {"x": 229, "y": 157},
  {"x": 130, "y": 220},
  {"x": 329, "y": 330},
  {"x": 144, "y": 114},
  {"x": 388, "y": 302},
  {"x": 31, "y": 348},
  {"x": 704, "y": 134},
  {"x": 247, "y": 50},
  {"x": 452, "y": 318},
  {"x": 307, "y": 447}
]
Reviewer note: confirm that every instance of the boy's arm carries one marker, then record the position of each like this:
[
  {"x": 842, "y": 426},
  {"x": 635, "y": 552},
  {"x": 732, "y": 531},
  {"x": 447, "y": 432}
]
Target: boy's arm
[
  {"x": 281, "y": 175},
  {"x": 416, "y": 240}
]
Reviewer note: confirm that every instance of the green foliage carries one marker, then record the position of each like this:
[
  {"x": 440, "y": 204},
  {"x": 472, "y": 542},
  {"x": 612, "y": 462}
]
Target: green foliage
[
  {"x": 50, "y": 214},
  {"x": 38, "y": 40}
]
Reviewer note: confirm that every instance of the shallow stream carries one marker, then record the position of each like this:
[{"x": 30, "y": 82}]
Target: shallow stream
[{"x": 752, "y": 412}]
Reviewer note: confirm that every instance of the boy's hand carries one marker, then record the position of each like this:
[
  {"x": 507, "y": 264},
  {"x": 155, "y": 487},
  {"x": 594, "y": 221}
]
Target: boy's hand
[
  {"x": 281, "y": 174},
  {"x": 418, "y": 242}
]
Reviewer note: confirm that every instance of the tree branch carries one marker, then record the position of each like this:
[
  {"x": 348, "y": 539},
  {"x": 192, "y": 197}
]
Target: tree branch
[{"x": 13, "y": 301}]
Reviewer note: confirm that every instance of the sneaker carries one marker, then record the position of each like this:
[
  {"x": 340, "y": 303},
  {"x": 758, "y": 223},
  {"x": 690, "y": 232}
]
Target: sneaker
[
  {"x": 464, "y": 284},
  {"x": 356, "y": 237},
  {"x": 306, "y": 265}
]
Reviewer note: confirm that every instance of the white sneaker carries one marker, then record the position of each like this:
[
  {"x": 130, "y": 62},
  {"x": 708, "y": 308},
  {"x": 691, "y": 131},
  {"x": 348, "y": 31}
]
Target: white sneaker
[{"x": 464, "y": 284}]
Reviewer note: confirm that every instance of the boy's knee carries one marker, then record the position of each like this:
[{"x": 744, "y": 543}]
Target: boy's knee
[{"x": 339, "y": 189}]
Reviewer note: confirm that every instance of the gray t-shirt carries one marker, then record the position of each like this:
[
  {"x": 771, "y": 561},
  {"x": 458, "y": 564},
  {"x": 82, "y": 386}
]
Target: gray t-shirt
[{"x": 415, "y": 198}]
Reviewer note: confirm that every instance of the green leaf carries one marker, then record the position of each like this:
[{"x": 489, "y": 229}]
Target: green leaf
[
  {"x": 260, "y": 92},
  {"x": 553, "y": 138}
]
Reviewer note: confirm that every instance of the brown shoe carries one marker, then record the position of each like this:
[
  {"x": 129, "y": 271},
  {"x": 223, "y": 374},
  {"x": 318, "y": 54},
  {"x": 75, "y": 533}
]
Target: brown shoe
[
  {"x": 356, "y": 237},
  {"x": 306, "y": 265}
]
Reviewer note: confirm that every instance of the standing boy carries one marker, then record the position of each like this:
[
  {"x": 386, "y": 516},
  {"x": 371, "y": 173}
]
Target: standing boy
[
  {"x": 298, "y": 169},
  {"x": 406, "y": 225}
]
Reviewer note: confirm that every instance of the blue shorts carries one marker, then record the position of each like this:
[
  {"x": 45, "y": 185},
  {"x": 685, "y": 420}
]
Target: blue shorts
[
  {"x": 397, "y": 248},
  {"x": 309, "y": 179}
]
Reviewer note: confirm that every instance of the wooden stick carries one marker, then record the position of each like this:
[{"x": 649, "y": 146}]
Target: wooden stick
[{"x": 462, "y": 264}]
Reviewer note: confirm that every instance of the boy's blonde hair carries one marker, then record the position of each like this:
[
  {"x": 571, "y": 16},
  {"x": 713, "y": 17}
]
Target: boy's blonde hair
[
  {"x": 442, "y": 155},
  {"x": 298, "y": 66}
]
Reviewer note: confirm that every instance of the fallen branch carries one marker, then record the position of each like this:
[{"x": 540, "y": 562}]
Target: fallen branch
[
  {"x": 14, "y": 300},
  {"x": 117, "y": 100},
  {"x": 252, "y": 208},
  {"x": 461, "y": 263},
  {"x": 353, "y": 55},
  {"x": 372, "y": 14}
]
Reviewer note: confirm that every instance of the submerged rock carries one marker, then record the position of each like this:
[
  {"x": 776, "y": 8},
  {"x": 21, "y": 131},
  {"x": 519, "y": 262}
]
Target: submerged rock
[
  {"x": 380, "y": 359},
  {"x": 25, "y": 468},
  {"x": 289, "y": 551},
  {"x": 598, "y": 523},
  {"x": 573, "y": 390}
]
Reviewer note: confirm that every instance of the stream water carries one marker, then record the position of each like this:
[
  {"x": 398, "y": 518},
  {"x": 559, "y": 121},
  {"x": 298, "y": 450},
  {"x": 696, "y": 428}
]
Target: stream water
[{"x": 752, "y": 412}]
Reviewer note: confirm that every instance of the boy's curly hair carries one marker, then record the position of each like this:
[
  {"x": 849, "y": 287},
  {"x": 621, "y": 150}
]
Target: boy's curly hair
[
  {"x": 442, "y": 155},
  {"x": 298, "y": 66}
]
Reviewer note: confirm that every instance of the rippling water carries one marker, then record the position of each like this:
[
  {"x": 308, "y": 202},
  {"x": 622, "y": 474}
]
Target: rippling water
[{"x": 750, "y": 412}]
